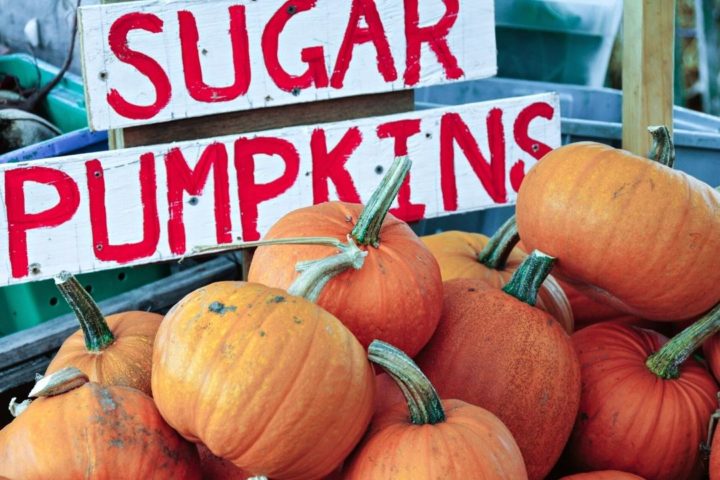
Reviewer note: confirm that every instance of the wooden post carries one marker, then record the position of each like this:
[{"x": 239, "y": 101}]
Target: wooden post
[{"x": 648, "y": 51}]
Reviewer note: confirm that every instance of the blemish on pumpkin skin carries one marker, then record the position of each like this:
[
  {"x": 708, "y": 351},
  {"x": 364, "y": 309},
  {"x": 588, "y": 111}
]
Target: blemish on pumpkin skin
[
  {"x": 220, "y": 308},
  {"x": 117, "y": 442},
  {"x": 277, "y": 299},
  {"x": 106, "y": 401},
  {"x": 262, "y": 333},
  {"x": 297, "y": 320}
]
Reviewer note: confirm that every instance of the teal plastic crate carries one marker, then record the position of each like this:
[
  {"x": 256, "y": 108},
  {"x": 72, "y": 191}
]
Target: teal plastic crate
[{"x": 26, "y": 305}]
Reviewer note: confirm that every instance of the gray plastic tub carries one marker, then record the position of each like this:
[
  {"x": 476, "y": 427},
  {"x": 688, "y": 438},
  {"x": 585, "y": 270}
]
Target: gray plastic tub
[{"x": 586, "y": 114}]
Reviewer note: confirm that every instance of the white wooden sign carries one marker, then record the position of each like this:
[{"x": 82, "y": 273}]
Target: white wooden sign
[
  {"x": 155, "y": 61},
  {"x": 96, "y": 211}
]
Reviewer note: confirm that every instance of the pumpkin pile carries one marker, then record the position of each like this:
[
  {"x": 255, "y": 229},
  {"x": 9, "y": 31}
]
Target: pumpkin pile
[{"x": 357, "y": 350}]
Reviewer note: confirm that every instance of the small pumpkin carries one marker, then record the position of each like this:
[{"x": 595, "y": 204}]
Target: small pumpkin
[
  {"x": 603, "y": 475},
  {"x": 81, "y": 429},
  {"x": 493, "y": 349},
  {"x": 438, "y": 437},
  {"x": 645, "y": 405},
  {"x": 112, "y": 351},
  {"x": 494, "y": 259},
  {"x": 637, "y": 234},
  {"x": 263, "y": 377},
  {"x": 395, "y": 297}
]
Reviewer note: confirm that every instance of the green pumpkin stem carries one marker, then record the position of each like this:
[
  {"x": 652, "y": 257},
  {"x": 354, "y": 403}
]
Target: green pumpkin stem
[
  {"x": 59, "y": 382},
  {"x": 95, "y": 330},
  {"x": 316, "y": 273},
  {"x": 422, "y": 398},
  {"x": 665, "y": 363},
  {"x": 662, "y": 149},
  {"x": 500, "y": 245},
  {"x": 528, "y": 278},
  {"x": 226, "y": 247},
  {"x": 367, "y": 228}
]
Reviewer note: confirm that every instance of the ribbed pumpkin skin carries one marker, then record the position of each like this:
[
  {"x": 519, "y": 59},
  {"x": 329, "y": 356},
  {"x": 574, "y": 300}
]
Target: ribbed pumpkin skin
[
  {"x": 471, "y": 443},
  {"x": 216, "y": 468},
  {"x": 496, "y": 352},
  {"x": 457, "y": 252},
  {"x": 630, "y": 419},
  {"x": 128, "y": 361},
  {"x": 98, "y": 432},
  {"x": 269, "y": 381},
  {"x": 603, "y": 475},
  {"x": 715, "y": 458},
  {"x": 645, "y": 236},
  {"x": 395, "y": 297}
]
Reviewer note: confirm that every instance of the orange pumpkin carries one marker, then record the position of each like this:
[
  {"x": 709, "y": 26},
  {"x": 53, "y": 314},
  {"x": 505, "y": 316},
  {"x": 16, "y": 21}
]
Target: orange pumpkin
[
  {"x": 112, "y": 351},
  {"x": 494, "y": 259},
  {"x": 395, "y": 297},
  {"x": 711, "y": 352},
  {"x": 265, "y": 379},
  {"x": 635, "y": 233},
  {"x": 494, "y": 350},
  {"x": 644, "y": 409},
  {"x": 437, "y": 438},
  {"x": 93, "y": 431},
  {"x": 603, "y": 475}
]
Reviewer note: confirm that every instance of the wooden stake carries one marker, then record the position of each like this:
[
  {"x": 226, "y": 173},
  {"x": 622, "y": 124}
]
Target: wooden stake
[{"x": 648, "y": 52}]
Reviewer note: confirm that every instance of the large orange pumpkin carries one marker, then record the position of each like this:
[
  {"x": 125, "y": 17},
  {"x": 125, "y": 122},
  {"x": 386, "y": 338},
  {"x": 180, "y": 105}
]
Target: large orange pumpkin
[
  {"x": 265, "y": 379},
  {"x": 603, "y": 475},
  {"x": 641, "y": 236},
  {"x": 494, "y": 350},
  {"x": 112, "y": 351},
  {"x": 395, "y": 297},
  {"x": 644, "y": 409},
  {"x": 711, "y": 351},
  {"x": 494, "y": 259},
  {"x": 94, "y": 431},
  {"x": 439, "y": 439}
]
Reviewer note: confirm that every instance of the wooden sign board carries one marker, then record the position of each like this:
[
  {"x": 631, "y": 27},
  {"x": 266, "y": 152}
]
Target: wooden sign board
[
  {"x": 96, "y": 211},
  {"x": 156, "y": 61}
]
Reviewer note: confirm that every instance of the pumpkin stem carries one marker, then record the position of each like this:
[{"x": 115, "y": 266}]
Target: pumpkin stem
[
  {"x": 59, "y": 382},
  {"x": 329, "y": 241},
  {"x": 525, "y": 283},
  {"x": 422, "y": 398},
  {"x": 316, "y": 273},
  {"x": 95, "y": 330},
  {"x": 500, "y": 245},
  {"x": 662, "y": 149},
  {"x": 16, "y": 408},
  {"x": 665, "y": 363},
  {"x": 367, "y": 228}
]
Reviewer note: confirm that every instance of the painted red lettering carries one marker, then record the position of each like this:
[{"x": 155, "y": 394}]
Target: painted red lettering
[
  {"x": 252, "y": 194},
  {"x": 534, "y": 148},
  {"x": 401, "y": 131},
  {"x": 492, "y": 176},
  {"x": 330, "y": 165},
  {"x": 20, "y": 221},
  {"x": 436, "y": 38},
  {"x": 181, "y": 178},
  {"x": 314, "y": 57},
  {"x": 189, "y": 38},
  {"x": 356, "y": 35},
  {"x": 126, "y": 252},
  {"x": 144, "y": 64}
]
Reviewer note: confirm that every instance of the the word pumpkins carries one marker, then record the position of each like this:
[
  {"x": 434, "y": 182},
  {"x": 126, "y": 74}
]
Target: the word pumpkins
[
  {"x": 395, "y": 297},
  {"x": 263, "y": 377},
  {"x": 630, "y": 231},
  {"x": 81, "y": 429}
]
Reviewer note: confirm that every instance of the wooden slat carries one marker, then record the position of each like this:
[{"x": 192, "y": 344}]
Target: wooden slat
[
  {"x": 267, "y": 118},
  {"x": 157, "y": 296},
  {"x": 648, "y": 50}
]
